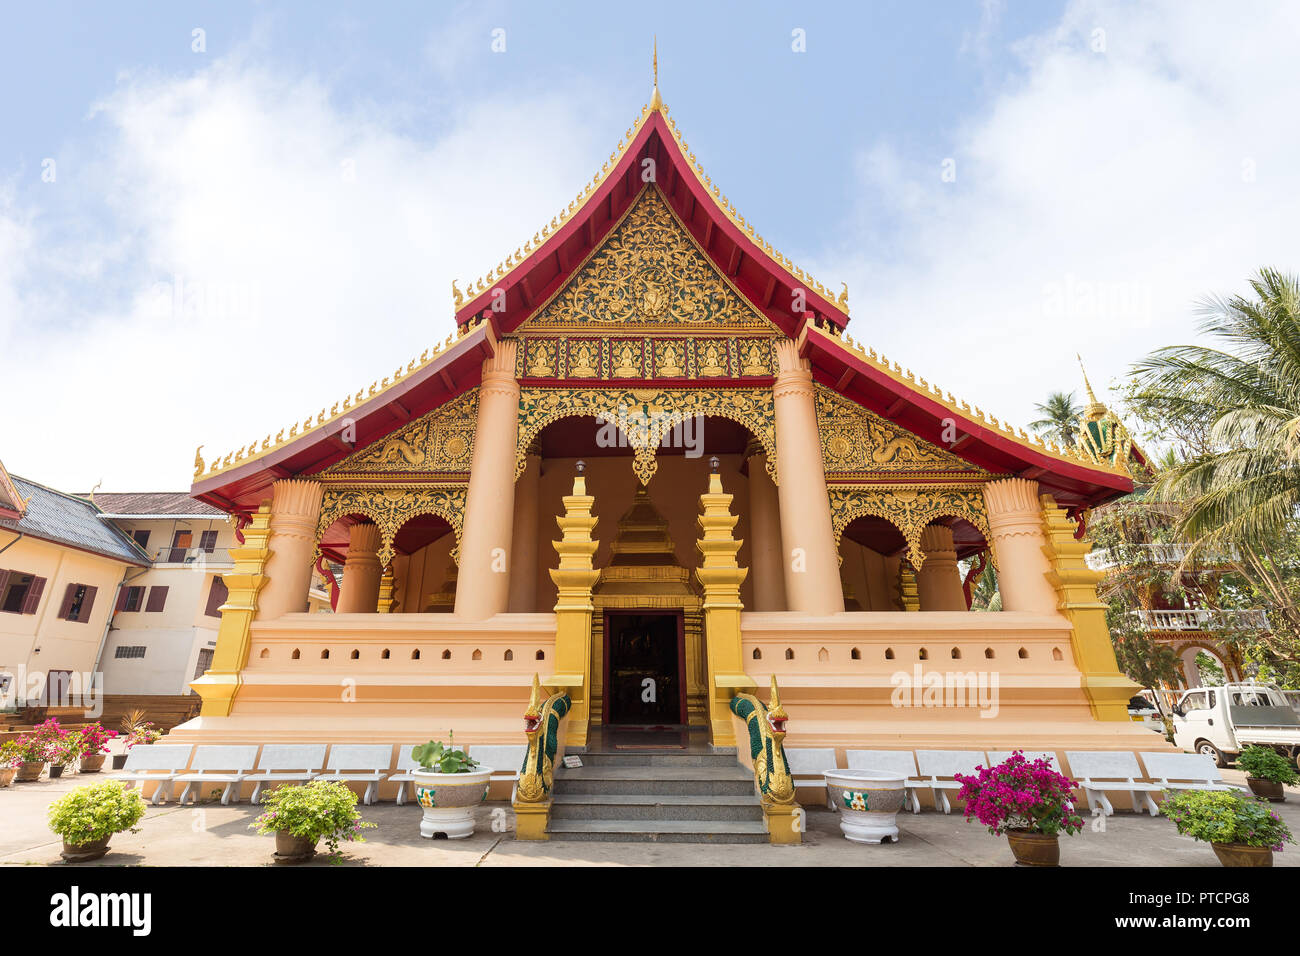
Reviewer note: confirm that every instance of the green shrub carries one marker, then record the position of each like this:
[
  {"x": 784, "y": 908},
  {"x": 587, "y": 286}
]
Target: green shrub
[
  {"x": 321, "y": 810},
  {"x": 1225, "y": 816},
  {"x": 1265, "y": 763},
  {"x": 96, "y": 811}
]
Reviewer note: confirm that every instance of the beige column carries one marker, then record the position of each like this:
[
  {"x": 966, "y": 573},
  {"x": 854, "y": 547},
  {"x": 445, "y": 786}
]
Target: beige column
[
  {"x": 1016, "y": 525},
  {"x": 295, "y": 509},
  {"x": 523, "y": 556},
  {"x": 359, "y": 591},
  {"x": 938, "y": 583},
  {"x": 765, "y": 537},
  {"x": 483, "y": 586},
  {"x": 809, "y": 560}
]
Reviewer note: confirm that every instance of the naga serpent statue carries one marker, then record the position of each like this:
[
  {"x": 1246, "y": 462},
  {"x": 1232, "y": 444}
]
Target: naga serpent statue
[
  {"x": 542, "y": 727},
  {"x": 766, "y": 725}
]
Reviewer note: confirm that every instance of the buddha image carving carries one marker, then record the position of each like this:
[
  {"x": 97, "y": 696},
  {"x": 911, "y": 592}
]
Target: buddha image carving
[
  {"x": 710, "y": 364},
  {"x": 755, "y": 363},
  {"x": 543, "y": 359},
  {"x": 582, "y": 358},
  {"x": 628, "y": 363},
  {"x": 668, "y": 362}
]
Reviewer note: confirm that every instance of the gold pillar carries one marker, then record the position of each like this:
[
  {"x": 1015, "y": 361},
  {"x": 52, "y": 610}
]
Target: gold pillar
[
  {"x": 220, "y": 684},
  {"x": 1075, "y": 583},
  {"x": 574, "y": 579},
  {"x": 295, "y": 508},
  {"x": 721, "y": 577}
]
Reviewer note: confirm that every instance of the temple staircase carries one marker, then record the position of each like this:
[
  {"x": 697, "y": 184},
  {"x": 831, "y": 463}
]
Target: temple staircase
[{"x": 668, "y": 796}]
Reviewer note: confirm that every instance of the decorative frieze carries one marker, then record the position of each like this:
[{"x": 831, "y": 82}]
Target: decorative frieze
[
  {"x": 610, "y": 358},
  {"x": 392, "y": 507},
  {"x": 441, "y": 442},
  {"x": 909, "y": 508}
]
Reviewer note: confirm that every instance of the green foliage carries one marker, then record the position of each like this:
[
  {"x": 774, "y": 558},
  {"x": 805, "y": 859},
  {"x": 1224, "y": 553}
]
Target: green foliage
[
  {"x": 1060, "y": 419},
  {"x": 94, "y": 812},
  {"x": 12, "y": 754},
  {"x": 434, "y": 757},
  {"x": 1265, "y": 763},
  {"x": 1225, "y": 816},
  {"x": 320, "y": 810}
]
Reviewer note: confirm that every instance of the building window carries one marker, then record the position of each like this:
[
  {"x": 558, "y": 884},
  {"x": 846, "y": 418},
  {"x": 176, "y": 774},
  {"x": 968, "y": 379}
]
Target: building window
[
  {"x": 129, "y": 651},
  {"x": 141, "y": 538},
  {"x": 216, "y": 597},
  {"x": 157, "y": 598},
  {"x": 20, "y": 593},
  {"x": 208, "y": 541},
  {"x": 78, "y": 601},
  {"x": 131, "y": 599},
  {"x": 204, "y": 662}
]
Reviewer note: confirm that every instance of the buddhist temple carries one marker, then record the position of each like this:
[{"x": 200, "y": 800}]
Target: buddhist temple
[{"x": 651, "y": 455}]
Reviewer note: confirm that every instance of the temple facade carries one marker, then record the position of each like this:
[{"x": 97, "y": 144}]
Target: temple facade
[{"x": 652, "y": 467}]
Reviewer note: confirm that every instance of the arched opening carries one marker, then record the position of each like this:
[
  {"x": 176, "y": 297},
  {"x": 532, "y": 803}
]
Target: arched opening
[
  {"x": 988, "y": 653},
  {"x": 446, "y": 655},
  {"x": 541, "y": 655},
  {"x": 1057, "y": 655},
  {"x": 789, "y": 653},
  {"x": 855, "y": 654},
  {"x": 266, "y": 652},
  {"x": 356, "y": 654},
  {"x": 477, "y": 655},
  {"x": 424, "y": 575},
  {"x": 956, "y": 653},
  {"x": 823, "y": 656},
  {"x": 758, "y": 655},
  {"x": 871, "y": 552},
  {"x": 1023, "y": 654},
  {"x": 296, "y": 654},
  {"x": 889, "y": 653},
  {"x": 325, "y": 655},
  {"x": 509, "y": 655},
  {"x": 923, "y": 654},
  {"x": 415, "y": 654},
  {"x": 384, "y": 656}
]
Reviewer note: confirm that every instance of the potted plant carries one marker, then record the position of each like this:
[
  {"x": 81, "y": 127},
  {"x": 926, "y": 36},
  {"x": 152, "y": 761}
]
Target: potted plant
[
  {"x": 10, "y": 759},
  {"x": 449, "y": 784},
  {"x": 1028, "y": 801},
  {"x": 31, "y": 752},
  {"x": 1243, "y": 830},
  {"x": 138, "y": 731},
  {"x": 300, "y": 817},
  {"x": 868, "y": 802},
  {"x": 1266, "y": 772},
  {"x": 88, "y": 816},
  {"x": 64, "y": 752},
  {"x": 94, "y": 744}
]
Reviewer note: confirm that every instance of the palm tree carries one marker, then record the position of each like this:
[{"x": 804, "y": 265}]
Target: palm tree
[{"x": 1060, "y": 421}]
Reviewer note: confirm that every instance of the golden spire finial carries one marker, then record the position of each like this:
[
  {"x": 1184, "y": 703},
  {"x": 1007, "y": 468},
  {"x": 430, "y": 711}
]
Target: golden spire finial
[
  {"x": 1095, "y": 409},
  {"x": 656, "y": 101}
]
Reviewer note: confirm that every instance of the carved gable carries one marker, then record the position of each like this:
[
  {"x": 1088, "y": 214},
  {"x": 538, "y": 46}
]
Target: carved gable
[
  {"x": 856, "y": 442},
  {"x": 441, "y": 442},
  {"x": 649, "y": 273}
]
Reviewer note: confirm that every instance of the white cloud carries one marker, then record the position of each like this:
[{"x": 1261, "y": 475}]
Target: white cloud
[
  {"x": 1097, "y": 198},
  {"x": 314, "y": 246}
]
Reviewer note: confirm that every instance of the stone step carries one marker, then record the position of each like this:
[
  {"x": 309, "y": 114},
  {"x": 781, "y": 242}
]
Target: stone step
[
  {"x": 659, "y": 831},
  {"x": 637, "y": 806},
  {"x": 682, "y": 781},
  {"x": 655, "y": 758}
]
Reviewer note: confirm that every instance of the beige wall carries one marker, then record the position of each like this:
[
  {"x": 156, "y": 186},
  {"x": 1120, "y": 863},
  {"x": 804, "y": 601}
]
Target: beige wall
[{"x": 41, "y": 642}]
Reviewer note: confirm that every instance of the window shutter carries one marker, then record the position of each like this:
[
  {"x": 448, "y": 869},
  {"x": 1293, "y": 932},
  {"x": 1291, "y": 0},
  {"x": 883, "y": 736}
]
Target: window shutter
[
  {"x": 157, "y": 598},
  {"x": 216, "y": 597},
  {"x": 33, "y": 599},
  {"x": 121, "y": 598},
  {"x": 87, "y": 604},
  {"x": 4, "y": 581},
  {"x": 69, "y": 596}
]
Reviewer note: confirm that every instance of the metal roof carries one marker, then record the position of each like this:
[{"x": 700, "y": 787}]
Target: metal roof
[{"x": 66, "y": 519}]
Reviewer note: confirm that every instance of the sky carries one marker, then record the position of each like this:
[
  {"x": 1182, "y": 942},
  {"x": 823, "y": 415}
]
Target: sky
[{"x": 218, "y": 218}]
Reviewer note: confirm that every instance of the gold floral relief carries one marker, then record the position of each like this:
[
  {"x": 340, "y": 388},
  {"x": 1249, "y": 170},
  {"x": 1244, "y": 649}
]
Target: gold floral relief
[
  {"x": 441, "y": 441},
  {"x": 649, "y": 271},
  {"x": 390, "y": 508},
  {"x": 908, "y": 508},
  {"x": 855, "y": 441}
]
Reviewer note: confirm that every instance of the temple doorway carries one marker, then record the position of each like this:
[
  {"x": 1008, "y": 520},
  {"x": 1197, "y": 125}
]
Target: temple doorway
[{"x": 644, "y": 680}]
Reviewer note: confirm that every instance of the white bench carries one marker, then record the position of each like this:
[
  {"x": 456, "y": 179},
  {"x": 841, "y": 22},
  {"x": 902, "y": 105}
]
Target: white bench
[
  {"x": 504, "y": 759},
  {"x": 901, "y": 762},
  {"x": 931, "y": 765},
  {"x": 807, "y": 765},
  {"x": 359, "y": 763},
  {"x": 218, "y": 763},
  {"x": 405, "y": 764},
  {"x": 160, "y": 763},
  {"x": 287, "y": 763},
  {"x": 1100, "y": 770},
  {"x": 999, "y": 756},
  {"x": 1186, "y": 772}
]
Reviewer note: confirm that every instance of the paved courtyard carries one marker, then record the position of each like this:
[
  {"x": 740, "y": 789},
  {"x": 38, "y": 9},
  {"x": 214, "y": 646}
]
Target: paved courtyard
[{"x": 213, "y": 835}]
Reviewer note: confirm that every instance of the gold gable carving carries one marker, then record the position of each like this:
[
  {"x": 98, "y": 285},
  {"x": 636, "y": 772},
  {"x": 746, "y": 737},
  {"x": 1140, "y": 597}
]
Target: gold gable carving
[
  {"x": 440, "y": 442},
  {"x": 391, "y": 508},
  {"x": 648, "y": 272},
  {"x": 855, "y": 441},
  {"x": 909, "y": 509}
]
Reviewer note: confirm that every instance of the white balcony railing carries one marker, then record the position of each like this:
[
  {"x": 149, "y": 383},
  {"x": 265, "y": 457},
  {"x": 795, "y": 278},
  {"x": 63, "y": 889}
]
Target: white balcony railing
[
  {"x": 1164, "y": 553},
  {"x": 1203, "y": 619},
  {"x": 198, "y": 557}
]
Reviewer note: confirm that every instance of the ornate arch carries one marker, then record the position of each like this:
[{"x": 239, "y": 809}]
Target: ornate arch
[
  {"x": 646, "y": 416},
  {"x": 392, "y": 507},
  {"x": 909, "y": 509}
]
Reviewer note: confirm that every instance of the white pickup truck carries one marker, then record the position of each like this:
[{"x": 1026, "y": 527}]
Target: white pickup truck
[{"x": 1222, "y": 721}]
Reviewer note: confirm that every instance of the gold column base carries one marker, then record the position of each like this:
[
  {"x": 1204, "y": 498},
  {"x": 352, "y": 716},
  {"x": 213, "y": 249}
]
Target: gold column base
[
  {"x": 531, "y": 820},
  {"x": 781, "y": 827}
]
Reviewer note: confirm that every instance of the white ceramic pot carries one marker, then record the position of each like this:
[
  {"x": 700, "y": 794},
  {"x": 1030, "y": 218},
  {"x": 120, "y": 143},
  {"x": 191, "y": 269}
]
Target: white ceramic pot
[
  {"x": 449, "y": 799},
  {"x": 868, "y": 802}
]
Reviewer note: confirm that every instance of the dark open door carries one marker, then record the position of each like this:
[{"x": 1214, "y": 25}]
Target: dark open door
[{"x": 645, "y": 684}]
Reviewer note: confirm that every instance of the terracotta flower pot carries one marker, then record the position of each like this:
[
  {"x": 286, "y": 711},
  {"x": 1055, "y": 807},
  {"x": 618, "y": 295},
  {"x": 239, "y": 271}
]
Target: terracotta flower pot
[
  {"x": 448, "y": 801},
  {"x": 293, "y": 849},
  {"x": 1268, "y": 789},
  {"x": 7, "y": 775},
  {"x": 92, "y": 764},
  {"x": 1239, "y": 854},
  {"x": 119, "y": 761},
  {"x": 84, "y": 852},
  {"x": 1035, "y": 849},
  {"x": 31, "y": 771}
]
